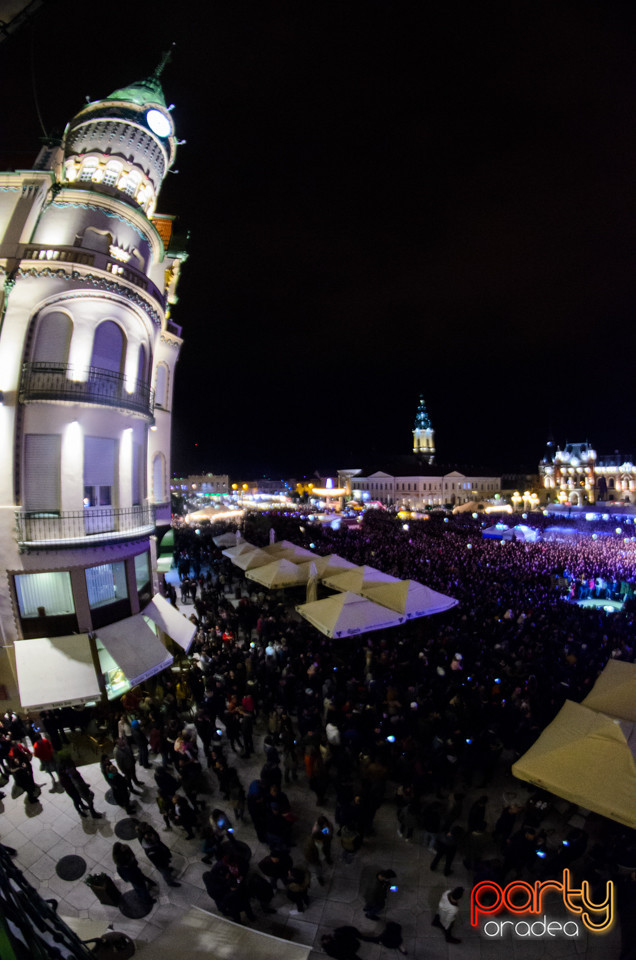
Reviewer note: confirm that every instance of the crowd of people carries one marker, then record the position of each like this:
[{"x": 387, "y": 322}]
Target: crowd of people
[{"x": 418, "y": 717}]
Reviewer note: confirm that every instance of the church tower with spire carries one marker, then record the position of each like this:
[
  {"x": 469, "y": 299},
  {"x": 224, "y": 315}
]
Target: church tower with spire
[
  {"x": 423, "y": 434},
  {"x": 89, "y": 272}
]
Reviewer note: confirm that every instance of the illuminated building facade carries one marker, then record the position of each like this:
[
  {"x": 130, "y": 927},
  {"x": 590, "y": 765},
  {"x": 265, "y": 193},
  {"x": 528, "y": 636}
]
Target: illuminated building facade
[
  {"x": 575, "y": 474},
  {"x": 88, "y": 360}
]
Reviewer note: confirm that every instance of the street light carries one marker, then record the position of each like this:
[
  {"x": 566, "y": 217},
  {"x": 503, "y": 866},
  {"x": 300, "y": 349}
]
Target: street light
[{"x": 516, "y": 499}]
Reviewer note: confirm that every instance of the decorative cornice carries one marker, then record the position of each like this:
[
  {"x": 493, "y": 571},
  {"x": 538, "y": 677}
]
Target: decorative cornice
[
  {"x": 97, "y": 283},
  {"x": 108, "y": 213},
  {"x": 171, "y": 341}
]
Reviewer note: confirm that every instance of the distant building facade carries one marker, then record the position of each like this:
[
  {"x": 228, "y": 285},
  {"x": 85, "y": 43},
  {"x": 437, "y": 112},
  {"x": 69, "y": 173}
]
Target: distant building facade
[
  {"x": 200, "y": 484},
  {"x": 417, "y": 482},
  {"x": 576, "y": 474}
]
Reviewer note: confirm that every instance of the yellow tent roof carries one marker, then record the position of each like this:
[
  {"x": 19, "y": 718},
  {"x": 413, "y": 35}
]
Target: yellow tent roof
[
  {"x": 278, "y": 574},
  {"x": 347, "y": 614},
  {"x": 614, "y": 692},
  {"x": 587, "y": 758}
]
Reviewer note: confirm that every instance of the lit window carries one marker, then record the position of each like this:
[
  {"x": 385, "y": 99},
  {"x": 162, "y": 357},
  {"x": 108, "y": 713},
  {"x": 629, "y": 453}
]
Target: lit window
[
  {"x": 106, "y": 584},
  {"x": 44, "y": 594}
]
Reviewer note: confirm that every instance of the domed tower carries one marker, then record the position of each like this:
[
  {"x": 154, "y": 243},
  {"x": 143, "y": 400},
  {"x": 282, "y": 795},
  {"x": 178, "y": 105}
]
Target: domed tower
[
  {"x": 89, "y": 353},
  {"x": 423, "y": 434}
]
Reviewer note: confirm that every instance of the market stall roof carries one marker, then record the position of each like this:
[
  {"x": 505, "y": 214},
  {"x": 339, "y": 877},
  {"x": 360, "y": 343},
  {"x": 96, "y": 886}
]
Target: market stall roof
[
  {"x": 587, "y": 758},
  {"x": 347, "y": 614},
  {"x": 242, "y": 547},
  {"x": 288, "y": 550},
  {"x": 210, "y": 937},
  {"x": 135, "y": 648},
  {"x": 614, "y": 692},
  {"x": 55, "y": 671},
  {"x": 409, "y": 598},
  {"x": 168, "y": 619},
  {"x": 226, "y": 540},
  {"x": 277, "y": 574},
  {"x": 251, "y": 558},
  {"x": 358, "y": 579},
  {"x": 164, "y": 564},
  {"x": 336, "y": 564}
]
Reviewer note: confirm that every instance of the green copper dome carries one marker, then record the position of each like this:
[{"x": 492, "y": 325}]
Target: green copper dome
[{"x": 141, "y": 92}]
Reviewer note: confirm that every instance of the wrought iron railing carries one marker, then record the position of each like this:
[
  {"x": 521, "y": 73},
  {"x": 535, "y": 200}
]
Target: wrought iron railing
[
  {"x": 43, "y": 380},
  {"x": 83, "y": 527}
]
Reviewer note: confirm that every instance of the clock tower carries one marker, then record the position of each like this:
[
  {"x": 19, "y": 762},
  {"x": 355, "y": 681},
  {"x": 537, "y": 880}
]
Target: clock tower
[{"x": 423, "y": 434}]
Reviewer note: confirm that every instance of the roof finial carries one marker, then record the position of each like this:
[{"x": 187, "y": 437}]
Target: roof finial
[{"x": 165, "y": 59}]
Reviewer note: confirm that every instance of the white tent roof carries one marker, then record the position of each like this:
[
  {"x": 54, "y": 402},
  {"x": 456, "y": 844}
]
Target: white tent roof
[
  {"x": 279, "y": 546},
  {"x": 240, "y": 548},
  {"x": 409, "y": 598},
  {"x": 288, "y": 550},
  {"x": 255, "y": 557},
  {"x": 348, "y": 614},
  {"x": 225, "y": 540},
  {"x": 335, "y": 564},
  {"x": 55, "y": 671},
  {"x": 520, "y": 532},
  {"x": 358, "y": 579},
  {"x": 135, "y": 648},
  {"x": 279, "y": 573},
  {"x": 204, "y": 936},
  {"x": 587, "y": 758},
  {"x": 168, "y": 619}
]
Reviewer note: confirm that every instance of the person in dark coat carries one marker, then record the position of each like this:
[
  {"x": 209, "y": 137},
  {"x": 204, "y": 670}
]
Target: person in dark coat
[
  {"x": 129, "y": 870},
  {"x": 77, "y": 789},
  {"x": 276, "y": 867},
  {"x": 157, "y": 852},
  {"x": 446, "y": 846},
  {"x": 118, "y": 785},
  {"x": 258, "y": 888},
  {"x": 185, "y": 815},
  {"x": 19, "y": 761},
  {"x": 376, "y": 892},
  {"x": 125, "y": 760}
]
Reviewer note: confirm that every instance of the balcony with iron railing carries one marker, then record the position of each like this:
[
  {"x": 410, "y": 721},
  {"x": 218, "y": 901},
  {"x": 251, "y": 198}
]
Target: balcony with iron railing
[
  {"x": 42, "y": 380},
  {"x": 83, "y": 528}
]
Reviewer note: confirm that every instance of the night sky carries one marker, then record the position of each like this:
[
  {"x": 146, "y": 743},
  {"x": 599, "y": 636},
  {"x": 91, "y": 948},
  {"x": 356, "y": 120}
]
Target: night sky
[{"x": 384, "y": 199}]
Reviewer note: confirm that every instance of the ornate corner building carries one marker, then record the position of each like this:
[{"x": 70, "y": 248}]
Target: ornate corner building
[
  {"x": 88, "y": 274},
  {"x": 575, "y": 474}
]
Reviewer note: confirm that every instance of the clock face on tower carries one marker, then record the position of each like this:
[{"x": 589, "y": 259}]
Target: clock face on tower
[{"x": 159, "y": 123}]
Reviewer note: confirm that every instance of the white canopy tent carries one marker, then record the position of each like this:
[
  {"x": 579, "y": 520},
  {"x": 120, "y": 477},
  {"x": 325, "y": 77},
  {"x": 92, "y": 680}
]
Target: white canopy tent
[
  {"x": 335, "y": 564},
  {"x": 358, "y": 579},
  {"x": 277, "y": 574},
  {"x": 242, "y": 547},
  {"x": 409, "y": 598},
  {"x": 135, "y": 649},
  {"x": 227, "y": 540},
  {"x": 173, "y": 623},
  {"x": 255, "y": 557},
  {"x": 55, "y": 671},
  {"x": 348, "y": 614}
]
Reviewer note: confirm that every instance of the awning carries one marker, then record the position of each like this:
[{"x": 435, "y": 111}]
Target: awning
[
  {"x": 347, "y": 614},
  {"x": 168, "y": 619},
  {"x": 210, "y": 937},
  {"x": 164, "y": 564},
  {"x": 55, "y": 671},
  {"x": 135, "y": 649}
]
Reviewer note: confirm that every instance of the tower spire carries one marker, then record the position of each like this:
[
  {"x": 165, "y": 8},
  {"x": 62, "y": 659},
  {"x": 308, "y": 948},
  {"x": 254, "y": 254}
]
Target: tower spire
[{"x": 423, "y": 433}]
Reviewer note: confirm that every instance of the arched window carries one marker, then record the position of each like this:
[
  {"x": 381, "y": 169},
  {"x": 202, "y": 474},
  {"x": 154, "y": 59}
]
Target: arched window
[
  {"x": 89, "y": 168},
  {"x": 109, "y": 347},
  {"x": 112, "y": 173},
  {"x": 161, "y": 387},
  {"x": 158, "y": 478},
  {"x": 130, "y": 183},
  {"x": 53, "y": 339},
  {"x": 141, "y": 365}
]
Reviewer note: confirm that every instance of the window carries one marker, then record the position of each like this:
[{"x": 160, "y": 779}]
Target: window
[
  {"x": 106, "y": 584},
  {"x": 41, "y": 492},
  {"x": 158, "y": 478},
  {"x": 53, "y": 339},
  {"x": 89, "y": 168},
  {"x": 112, "y": 173},
  {"x": 99, "y": 471},
  {"x": 108, "y": 347},
  {"x": 44, "y": 594},
  {"x": 142, "y": 577}
]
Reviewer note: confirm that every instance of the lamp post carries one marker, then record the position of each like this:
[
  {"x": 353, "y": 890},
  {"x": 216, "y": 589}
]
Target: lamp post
[{"x": 516, "y": 500}]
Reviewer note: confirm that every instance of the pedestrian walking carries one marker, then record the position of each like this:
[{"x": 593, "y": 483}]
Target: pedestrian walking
[
  {"x": 297, "y": 885},
  {"x": 376, "y": 892},
  {"x": 447, "y": 910},
  {"x": 43, "y": 751},
  {"x": 157, "y": 852}
]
